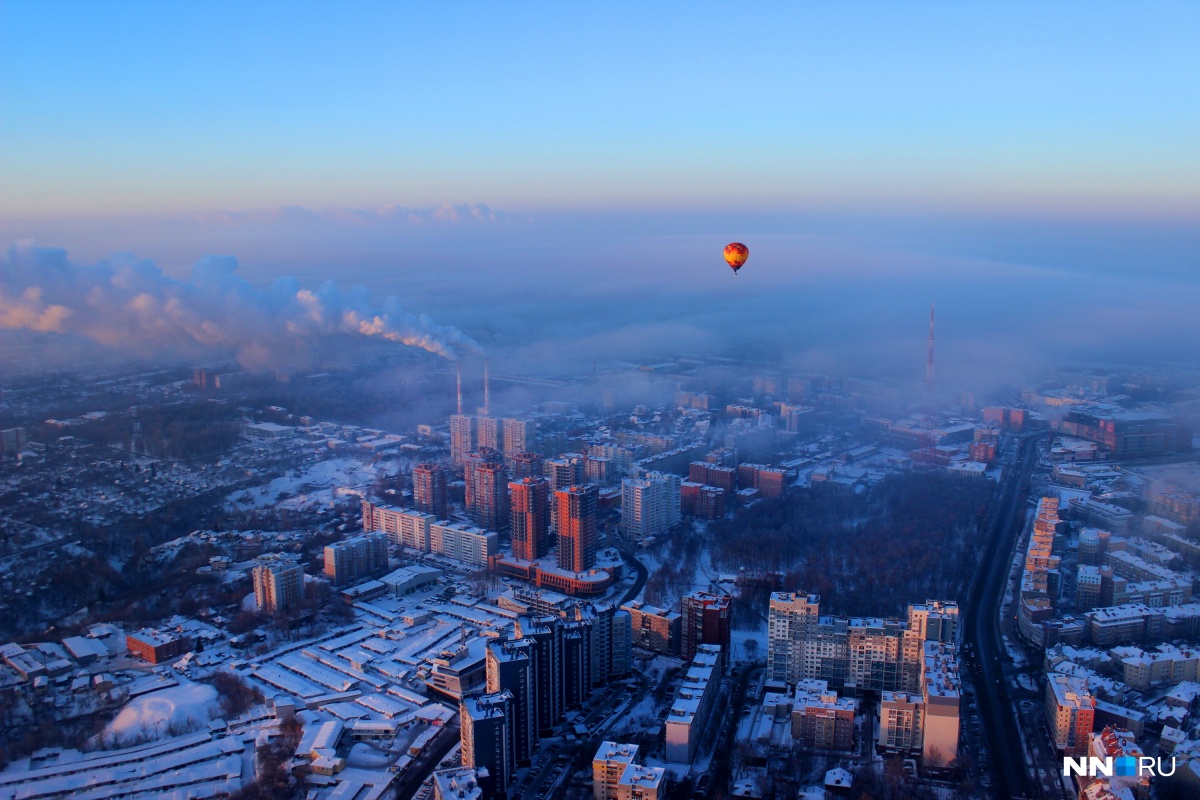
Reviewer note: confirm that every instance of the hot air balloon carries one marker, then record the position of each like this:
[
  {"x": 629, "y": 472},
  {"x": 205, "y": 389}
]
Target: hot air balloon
[{"x": 736, "y": 254}]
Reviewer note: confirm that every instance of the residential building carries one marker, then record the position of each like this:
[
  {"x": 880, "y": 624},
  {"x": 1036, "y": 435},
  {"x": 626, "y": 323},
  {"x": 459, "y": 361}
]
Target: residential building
[
  {"x": 705, "y": 618},
  {"x": 689, "y": 713},
  {"x": 278, "y": 586},
  {"x": 404, "y": 527},
  {"x": 157, "y": 646},
  {"x": 934, "y": 620},
  {"x": 1130, "y": 433},
  {"x": 463, "y": 542},
  {"x": 770, "y": 481},
  {"x": 649, "y": 504},
  {"x": 941, "y": 692},
  {"x": 510, "y": 669},
  {"x": 546, "y": 648},
  {"x": 524, "y": 465},
  {"x": 1070, "y": 713},
  {"x": 854, "y": 654},
  {"x": 654, "y": 628},
  {"x": 429, "y": 489},
  {"x": 356, "y": 558},
  {"x": 517, "y": 436},
  {"x": 530, "y": 515},
  {"x": 714, "y": 475},
  {"x": 642, "y": 783},
  {"x": 901, "y": 723},
  {"x": 486, "y": 489},
  {"x": 608, "y": 765},
  {"x": 564, "y": 471},
  {"x": 462, "y": 437},
  {"x": 459, "y": 783},
  {"x": 615, "y": 775},
  {"x": 821, "y": 720},
  {"x": 486, "y": 740},
  {"x": 487, "y": 434},
  {"x": 700, "y": 501},
  {"x": 575, "y": 512}
]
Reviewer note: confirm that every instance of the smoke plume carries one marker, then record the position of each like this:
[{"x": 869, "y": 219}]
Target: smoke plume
[{"x": 133, "y": 305}]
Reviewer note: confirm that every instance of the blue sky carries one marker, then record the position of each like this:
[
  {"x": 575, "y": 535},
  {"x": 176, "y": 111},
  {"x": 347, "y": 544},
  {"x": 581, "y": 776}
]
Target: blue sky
[
  {"x": 559, "y": 178},
  {"x": 180, "y": 107}
]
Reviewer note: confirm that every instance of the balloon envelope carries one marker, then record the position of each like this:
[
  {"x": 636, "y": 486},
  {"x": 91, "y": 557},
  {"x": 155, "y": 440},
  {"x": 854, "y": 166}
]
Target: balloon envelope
[{"x": 736, "y": 254}]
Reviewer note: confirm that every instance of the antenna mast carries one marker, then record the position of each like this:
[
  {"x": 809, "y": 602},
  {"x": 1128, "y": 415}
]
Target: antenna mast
[{"x": 929, "y": 356}]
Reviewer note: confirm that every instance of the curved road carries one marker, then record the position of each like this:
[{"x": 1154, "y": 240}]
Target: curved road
[
  {"x": 642, "y": 574},
  {"x": 1008, "y": 767}
]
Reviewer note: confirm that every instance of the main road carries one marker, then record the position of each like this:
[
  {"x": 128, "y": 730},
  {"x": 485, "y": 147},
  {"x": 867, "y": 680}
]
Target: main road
[{"x": 1010, "y": 777}]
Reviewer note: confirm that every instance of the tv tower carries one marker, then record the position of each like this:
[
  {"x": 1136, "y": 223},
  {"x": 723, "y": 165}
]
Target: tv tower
[{"x": 929, "y": 356}]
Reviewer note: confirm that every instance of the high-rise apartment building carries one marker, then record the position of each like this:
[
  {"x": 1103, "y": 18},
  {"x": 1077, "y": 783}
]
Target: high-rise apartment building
[
  {"x": 854, "y": 654},
  {"x": 621, "y": 458},
  {"x": 941, "y": 692},
  {"x": 934, "y": 620},
  {"x": 524, "y": 465},
  {"x": 650, "y": 504},
  {"x": 517, "y": 436},
  {"x": 510, "y": 669},
  {"x": 564, "y": 471},
  {"x": 429, "y": 489},
  {"x": 278, "y": 586},
  {"x": 598, "y": 470},
  {"x": 577, "y": 661},
  {"x": 575, "y": 512},
  {"x": 486, "y": 737},
  {"x": 546, "y": 637},
  {"x": 530, "y": 515},
  {"x": 486, "y": 489},
  {"x": 705, "y": 619},
  {"x": 553, "y": 665},
  {"x": 654, "y": 628},
  {"x": 462, "y": 437},
  {"x": 356, "y": 558},
  {"x": 612, "y": 642},
  {"x": 487, "y": 434},
  {"x": 1070, "y": 713}
]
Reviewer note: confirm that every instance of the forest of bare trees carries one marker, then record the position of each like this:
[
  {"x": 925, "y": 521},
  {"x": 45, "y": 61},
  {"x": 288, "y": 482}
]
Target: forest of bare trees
[{"x": 911, "y": 537}]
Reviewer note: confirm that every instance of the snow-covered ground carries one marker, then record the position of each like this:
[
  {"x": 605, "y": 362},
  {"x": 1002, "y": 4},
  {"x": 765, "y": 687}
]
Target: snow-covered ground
[
  {"x": 739, "y": 638},
  {"x": 178, "y": 709},
  {"x": 637, "y": 719},
  {"x": 314, "y": 487}
]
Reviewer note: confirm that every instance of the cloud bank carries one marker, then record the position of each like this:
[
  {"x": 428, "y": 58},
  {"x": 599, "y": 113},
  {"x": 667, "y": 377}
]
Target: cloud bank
[{"x": 130, "y": 304}]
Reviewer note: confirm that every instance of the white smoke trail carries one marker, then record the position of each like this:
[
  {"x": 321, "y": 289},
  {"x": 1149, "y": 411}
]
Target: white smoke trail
[{"x": 131, "y": 304}]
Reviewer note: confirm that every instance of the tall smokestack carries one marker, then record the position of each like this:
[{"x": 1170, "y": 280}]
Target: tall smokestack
[
  {"x": 929, "y": 356},
  {"x": 460, "y": 388},
  {"x": 486, "y": 395}
]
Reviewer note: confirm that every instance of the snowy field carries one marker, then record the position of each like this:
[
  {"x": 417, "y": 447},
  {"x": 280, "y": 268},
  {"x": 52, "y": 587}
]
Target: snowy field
[
  {"x": 314, "y": 487},
  {"x": 179, "y": 709}
]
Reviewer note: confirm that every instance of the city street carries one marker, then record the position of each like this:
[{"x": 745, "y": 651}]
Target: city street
[{"x": 986, "y": 653}]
